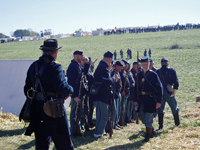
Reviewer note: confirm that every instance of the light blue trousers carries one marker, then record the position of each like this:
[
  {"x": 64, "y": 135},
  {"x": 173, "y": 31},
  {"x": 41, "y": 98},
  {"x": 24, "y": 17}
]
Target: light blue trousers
[
  {"x": 130, "y": 110},
  {"x": 101, "y": 117},
  {"x": 146, "y": 118},
  {"x": 171, "y": 102},
  {"x": 124, "y": 108},
  {"x": 118, "y": 108}
]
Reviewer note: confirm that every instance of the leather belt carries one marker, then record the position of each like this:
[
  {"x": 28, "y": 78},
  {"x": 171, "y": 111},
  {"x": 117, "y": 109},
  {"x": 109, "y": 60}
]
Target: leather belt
[
  {"x": 39, "y": 96},
  {"x": 145, "y": 93}
]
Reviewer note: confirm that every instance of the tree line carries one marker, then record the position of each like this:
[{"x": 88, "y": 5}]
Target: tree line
[{"x": 27, "y": 32}]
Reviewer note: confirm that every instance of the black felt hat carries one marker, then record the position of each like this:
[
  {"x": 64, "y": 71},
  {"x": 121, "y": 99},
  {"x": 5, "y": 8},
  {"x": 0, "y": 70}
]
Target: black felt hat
[
  {"x": 78, "y": 52},
  {"x": 50, "y": 45},
  {"x": 108, "y": 54}
]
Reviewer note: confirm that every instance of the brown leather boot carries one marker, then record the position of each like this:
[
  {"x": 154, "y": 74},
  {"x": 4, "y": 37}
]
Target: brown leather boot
[
  {"x": 176, "y": 119},
  {"x": 148, "y": 135},
  {"x": 153, "y": 133}
]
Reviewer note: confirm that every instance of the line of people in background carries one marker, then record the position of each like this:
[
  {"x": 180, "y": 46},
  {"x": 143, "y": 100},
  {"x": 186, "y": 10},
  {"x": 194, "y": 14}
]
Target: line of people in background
[{"x": 129, "y": 53}]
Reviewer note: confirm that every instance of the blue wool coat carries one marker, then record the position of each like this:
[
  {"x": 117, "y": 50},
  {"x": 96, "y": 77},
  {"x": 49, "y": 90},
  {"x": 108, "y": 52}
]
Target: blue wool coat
[
  {"x": 53, "y": 80},
  {"x": 151, "y": 85},
  {"x": 102, "y": 75}
]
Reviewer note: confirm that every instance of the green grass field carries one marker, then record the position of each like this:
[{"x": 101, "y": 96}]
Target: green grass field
[{"x": 185, "y": 59}]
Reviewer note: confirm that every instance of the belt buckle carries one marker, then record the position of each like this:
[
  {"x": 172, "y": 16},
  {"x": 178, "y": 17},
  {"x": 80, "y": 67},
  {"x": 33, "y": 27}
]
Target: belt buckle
[{"x": 143, "y": 93}]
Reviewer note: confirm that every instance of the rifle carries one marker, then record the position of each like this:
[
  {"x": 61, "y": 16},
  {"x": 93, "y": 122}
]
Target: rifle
[
  {"x": 110, "y": 129},
  {"x": 121, "y": 120},
  {"x": 127, "y": 119},
  {"x": 86, "y": 125},
  {"x": 136, "y": 109},
  {"x": 76, "y": 128}
]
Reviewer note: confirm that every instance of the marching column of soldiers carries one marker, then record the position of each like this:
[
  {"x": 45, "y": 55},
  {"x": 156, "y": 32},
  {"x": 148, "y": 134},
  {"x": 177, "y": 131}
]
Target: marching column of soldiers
[{"x": 121, "y": 95}]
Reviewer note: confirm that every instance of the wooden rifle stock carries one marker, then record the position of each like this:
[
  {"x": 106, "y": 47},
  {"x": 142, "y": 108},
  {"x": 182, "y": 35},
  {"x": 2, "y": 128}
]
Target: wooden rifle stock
[
  {"x": 86, "y": 125},
  {"x": 112, "y": 111},
  {"x": 137, "y": 115},
  {"x": 127, "y": 119},
  {"x": 121, "y": 120},
  {"x": 76, "y": 128}
]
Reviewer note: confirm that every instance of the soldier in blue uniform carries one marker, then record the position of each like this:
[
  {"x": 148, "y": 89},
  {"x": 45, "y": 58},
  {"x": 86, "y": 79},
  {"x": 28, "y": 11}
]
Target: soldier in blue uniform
[
  {"x": 150, "y": 96},
  {"x": 149, "y": 52},
  {"x": 54, "y": 85},
  {"x": 115, "y": 55},
  {"x": 170, "y": 84},
  {"x": 145, "y": 52},
  {"x": 121, "y": 53},
  {"x": 130, "y": 103},
  {"x": 134, "y": 70},
  {"x": 102, "y": 99},
  {"x": 117, "y": 106},
  {"x": 124, "y": 75},
  {"x": 74, "y": 73},
  {"x": 151, "y": 65}
]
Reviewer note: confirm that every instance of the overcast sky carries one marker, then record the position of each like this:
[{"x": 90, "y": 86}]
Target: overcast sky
[{"x": 66, "y": 16}]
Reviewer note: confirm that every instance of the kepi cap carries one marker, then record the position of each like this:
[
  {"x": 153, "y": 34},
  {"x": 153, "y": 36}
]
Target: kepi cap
[
  {"x": 120, "y": 63},
  {"x": 164, "y": 60},
  {"x": 108, "y": 54},
  {"x": 78, "y": 52},
  {"x": 144, "y": 59}
]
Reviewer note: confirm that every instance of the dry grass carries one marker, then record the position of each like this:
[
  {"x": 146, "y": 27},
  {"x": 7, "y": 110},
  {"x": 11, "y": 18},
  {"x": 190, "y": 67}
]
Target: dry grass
[
  {"x": 186, "y": 136},
  {"x": 7, "y": 117}
]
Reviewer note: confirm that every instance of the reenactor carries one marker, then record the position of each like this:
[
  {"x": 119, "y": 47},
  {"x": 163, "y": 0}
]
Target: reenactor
[
  {"x": 117, "y": 102},
  {"x": 121, "y": 53},
  {"x": 149, "y": 91},
  {"x": 149, "y": 52},
  {"x": 134, "y": 70},
  {"x": 170, "y": 84},
  {"x": 101, "y": 99},
  {"x": 130, "y": 54},
  {"x": 151, "y": 65},
  {"x": 145, "y": 52},
  {"x": 115, "y": 55},
  {"x": 126, "y": 87},
  {"x": 74, "y": 74},
  {"x": 90, "y": 79},
  {"x": 55, "y": 86},
  {"x": 85, "y": 95},
  {"x": 130, "y": 103}
]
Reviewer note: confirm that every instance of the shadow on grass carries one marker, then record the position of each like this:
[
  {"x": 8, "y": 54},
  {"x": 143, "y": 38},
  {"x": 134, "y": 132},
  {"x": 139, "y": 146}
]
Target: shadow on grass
[
  {"x": 27, "y": 145},
  {"x": 134, "y": 145},
  {"x": 88, "y": 137},
  {"x": 12, "y": 132}
]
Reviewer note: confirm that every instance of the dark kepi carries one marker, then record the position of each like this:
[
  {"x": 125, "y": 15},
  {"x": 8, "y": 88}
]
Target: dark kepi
[
  {"x": 108, "y": 54},
  {"x": 164, "y": 60},
  {"x": 144, "y": 59},
  {"x": 78, "y": 52},
  {"x": 119, "y": 63}
]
